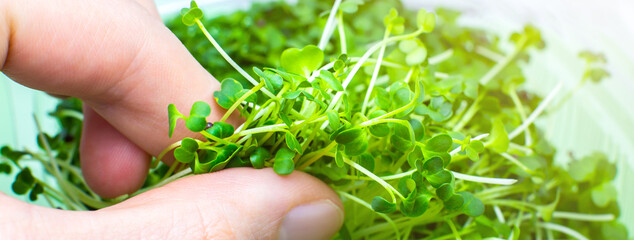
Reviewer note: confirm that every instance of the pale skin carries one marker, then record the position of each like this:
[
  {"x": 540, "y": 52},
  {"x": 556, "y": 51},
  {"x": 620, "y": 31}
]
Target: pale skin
[{"x": 118, "y": 57}]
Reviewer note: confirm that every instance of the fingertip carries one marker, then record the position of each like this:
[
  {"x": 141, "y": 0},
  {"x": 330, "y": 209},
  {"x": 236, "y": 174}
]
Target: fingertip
[
  {"x": 258, "y": 201},
  {"x": 111, "y": 164}
]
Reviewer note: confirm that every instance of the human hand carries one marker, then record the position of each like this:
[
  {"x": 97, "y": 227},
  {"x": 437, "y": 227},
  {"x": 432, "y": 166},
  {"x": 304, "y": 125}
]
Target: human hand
[{"x": 127, "y": 67}]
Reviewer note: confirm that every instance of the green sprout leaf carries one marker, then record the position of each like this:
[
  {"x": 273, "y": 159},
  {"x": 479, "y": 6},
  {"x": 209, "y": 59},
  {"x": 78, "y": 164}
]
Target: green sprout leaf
[
  {"x": 330, "y": 79},
  {"x": 291, "y": 95},
  {"x": 11, "y": 154},
  {"x": 454, "y": 202},
  {"x": 382, "y": 99},
  {"x": 415, "y": 204},
  {"x": 333, "y": 119},
  {"x": 418, "y": 128},
  {"x": 223, "y": 157},
  {"x": 35, "y": 192},
  {"x": 381, "y": 129},
  {"x": 499, "y": 138},
  {"x": 339, "y": 156},
  {"x": 200, "y": 108},
  {"x": 350, "y": 6},
  {"x": 303, "y": 61},
  {"x": 603, "y": 195},
  {"x": 259, "y": 156},
  {"x": 366, "y": 160},
  {"x": 439, "y": 178},
  {"x": 196, "y": 123},
  {"x": 186, "y": 153},
  {"x": 24, "y": 181},
  {"x": 433, "y": 165},
  {"x": 472, "y": 206},
  {"x": 426, "y": 20},
  {"x": 350, "y": 135},
  {"x": 216, "y": 160},
  {"x": 292, "y": 143},
  {"x": 439, "y": 143},
  {"x": 417, "y": 55},
  {"x": 230, "y": 92},
  {"x": 5, "y": 168},
  {"x": 284, "y": 163},
  {"x": 445, "y": 191},
  {"x": 272, "y": 81},
  {"x": 415, "y": 157},
  {"x": 357, "y": 147},
  {"x": 381, "y": 205},
  {"x": 221, "y": 130},
  {"x": 173, "y": 115},
  {"x": 190, "y": 15}
]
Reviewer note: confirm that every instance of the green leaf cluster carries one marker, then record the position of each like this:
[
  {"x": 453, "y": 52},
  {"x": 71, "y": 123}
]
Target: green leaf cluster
[{"x": 434, "y": 153}]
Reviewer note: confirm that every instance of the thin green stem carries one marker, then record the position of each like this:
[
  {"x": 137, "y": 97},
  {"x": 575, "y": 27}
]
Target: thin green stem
[
  {"x": 453, "y": 229},
  {"x": 391, "y": 190},
  {"x": 375, "y": 73},
  {"x": 471, "y": 111},
  {"x": 519, "y": 47},
  {"x": 228, "y": 59},
  {"x": 170, "y": 170},
  {"x": 317, "y": 155},
  {"x": 368, "y": 206},
  {"x": 165, "y": 151},
  {"x": 69, "y": 198},
  {"x": 342, "y": 33},
  {"x": 381, "y": 118},
  {"x": 538, "y": 110},
  {"x": 363, "y": 58},
  {"x": 177, "y": 175},
  {"x": 330, "y": 26},
  {"x": 241, "y": 99},
  {"x": 519, "y": 107},
  {"x": 517, "y": 162},
  {"x": 214, "y": 138}
]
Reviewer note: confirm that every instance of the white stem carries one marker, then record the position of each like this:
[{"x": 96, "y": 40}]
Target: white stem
[
  {"x": 498, "y": 213},
  {"x": 330, "y": 26},
  {"x": 441, "y": 75},
  {"x": 380, "y": 181},
  {"x": 540, "y": 108},
  {"x": 229, "y": 60},
  {"x": 524, "y": 149},
  {"x": 375, "y": 74},
  {"x": 584, "y": 216},
  {"x": 471, "y": 178},
  {"x": 317, "y": 72},
  {"x": 277, "y": 127},
  {"x": 342, "y": 34},
  {"x": 490, "y": 54},
  {"x": 362, "y": 60},
  {"x": 465, "y": 177},
  {"x": 563, "y": 229},
  {"x": 441, "y": 57},
  {"x": 500, "y": 65},
  {"x": 516, "y": 162}
]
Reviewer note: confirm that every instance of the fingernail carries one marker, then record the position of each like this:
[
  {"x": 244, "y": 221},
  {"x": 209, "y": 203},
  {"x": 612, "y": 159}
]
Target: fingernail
[{"x": 316, "y": 220}]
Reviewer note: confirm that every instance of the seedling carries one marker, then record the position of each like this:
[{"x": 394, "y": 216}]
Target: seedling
[{"x": 421, "y": 135}]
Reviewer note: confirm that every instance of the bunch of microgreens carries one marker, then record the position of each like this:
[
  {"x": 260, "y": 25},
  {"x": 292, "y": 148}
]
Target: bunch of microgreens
[{"x": 419, "y": 126}]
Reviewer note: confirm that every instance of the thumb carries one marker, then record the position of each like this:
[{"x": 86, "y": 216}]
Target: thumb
[{"x": 237, "y": 203}]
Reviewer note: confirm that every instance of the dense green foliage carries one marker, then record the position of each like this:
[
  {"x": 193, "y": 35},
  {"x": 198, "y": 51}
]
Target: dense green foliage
[{"x": 421, "y": 125}]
